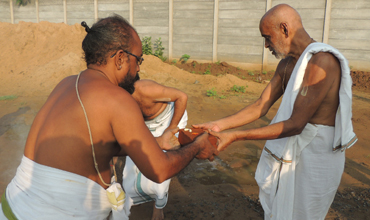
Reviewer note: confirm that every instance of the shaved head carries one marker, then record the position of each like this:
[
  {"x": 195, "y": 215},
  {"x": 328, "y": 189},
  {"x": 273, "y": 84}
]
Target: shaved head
[
  {"x": 282, "y": 13},
  {"x": 282, "y": 27}
]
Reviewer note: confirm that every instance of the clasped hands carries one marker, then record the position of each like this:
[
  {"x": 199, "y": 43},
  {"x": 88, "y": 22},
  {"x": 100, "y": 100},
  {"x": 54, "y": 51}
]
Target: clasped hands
[
  {"x": 207, "y": 151},
  {"x": 224, "y": 138},
  {"x": 168, "y": 141}
]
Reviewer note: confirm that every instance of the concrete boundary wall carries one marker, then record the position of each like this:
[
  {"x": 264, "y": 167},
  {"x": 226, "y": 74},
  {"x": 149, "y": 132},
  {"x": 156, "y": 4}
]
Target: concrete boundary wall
[{"x": 213, "y": 30}]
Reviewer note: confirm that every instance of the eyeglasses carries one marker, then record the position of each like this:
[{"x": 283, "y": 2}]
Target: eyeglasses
[{"x": 139, "y": 59}]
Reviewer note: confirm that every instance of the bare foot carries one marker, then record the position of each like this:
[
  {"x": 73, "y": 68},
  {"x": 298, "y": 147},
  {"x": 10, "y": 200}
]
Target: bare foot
[{"x": 157, "y": 214}]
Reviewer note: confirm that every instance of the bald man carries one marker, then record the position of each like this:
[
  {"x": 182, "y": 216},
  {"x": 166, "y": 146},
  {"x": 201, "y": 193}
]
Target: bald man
[{"x": 303, "y": 159}]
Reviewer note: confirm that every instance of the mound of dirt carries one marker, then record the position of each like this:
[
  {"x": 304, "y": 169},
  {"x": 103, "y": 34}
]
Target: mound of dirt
[{"x": 361, "y": 79}]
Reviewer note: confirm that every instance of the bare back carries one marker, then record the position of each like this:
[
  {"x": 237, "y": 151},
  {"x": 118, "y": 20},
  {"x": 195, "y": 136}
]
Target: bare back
[
  {"x": 151, "y": 97},
  {"x": 59, "y": 135}
]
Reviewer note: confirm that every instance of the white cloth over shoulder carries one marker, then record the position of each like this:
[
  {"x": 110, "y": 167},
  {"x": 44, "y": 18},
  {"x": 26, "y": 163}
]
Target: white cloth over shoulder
[
  {"x": 139, "y": 188},
  {"x": 285, "y": 152},
  {"x": 344, "y": 135},
  {"x": 41, "y": 192}
]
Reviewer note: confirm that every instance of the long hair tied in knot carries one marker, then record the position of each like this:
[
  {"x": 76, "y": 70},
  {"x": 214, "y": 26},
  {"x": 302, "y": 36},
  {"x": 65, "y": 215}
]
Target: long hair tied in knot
[{"x": 87, "y": 29}]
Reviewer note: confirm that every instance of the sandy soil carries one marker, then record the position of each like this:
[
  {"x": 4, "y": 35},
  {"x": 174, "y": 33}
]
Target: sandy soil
[{"x": 35, "y": 57}]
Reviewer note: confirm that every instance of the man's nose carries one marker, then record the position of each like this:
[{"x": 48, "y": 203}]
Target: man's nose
[{"x": 267, "y": 45}]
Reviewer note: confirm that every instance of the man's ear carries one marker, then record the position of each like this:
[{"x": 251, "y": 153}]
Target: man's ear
[
  {"x": 121, "y": 59},
  {"x": 284, "y": 29}
]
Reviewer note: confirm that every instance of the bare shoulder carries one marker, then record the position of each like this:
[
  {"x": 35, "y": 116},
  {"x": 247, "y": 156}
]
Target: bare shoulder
[
  {"x": 147, "y": 89},
  {"x": 146, "y": 85},
  {"x": 119, "y": 100},
  {"x": 324, "y": 65},
  {"x": 325, "y": 60}
]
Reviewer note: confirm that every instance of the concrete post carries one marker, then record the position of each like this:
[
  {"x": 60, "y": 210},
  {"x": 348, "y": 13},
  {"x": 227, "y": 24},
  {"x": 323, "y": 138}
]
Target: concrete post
[
  {"x": 265, "y": 50},
  {"x": 65, "y": 11},
  {"x": 132, "y": 12},
  {"x": 215, "y": 31},
  {"x": 325, "y": 34},
  {"x": 96, "y": 9},
  {"x": 37, "y": 11},
  {"x": 11, "y": 11},
  {"x": 170, "y": 29}
]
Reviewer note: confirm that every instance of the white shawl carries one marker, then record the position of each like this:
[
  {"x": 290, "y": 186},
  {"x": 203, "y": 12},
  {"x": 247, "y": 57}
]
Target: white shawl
[{"x": 344, "y": 135}]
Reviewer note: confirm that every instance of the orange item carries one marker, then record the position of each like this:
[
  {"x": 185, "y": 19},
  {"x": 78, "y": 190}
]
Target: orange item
[{"x": 187, "y": 135}]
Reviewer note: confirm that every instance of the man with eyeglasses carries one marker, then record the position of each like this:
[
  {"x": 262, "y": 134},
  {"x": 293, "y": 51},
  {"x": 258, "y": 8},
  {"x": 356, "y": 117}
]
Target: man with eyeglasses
[{"x": 86, "y": 121}]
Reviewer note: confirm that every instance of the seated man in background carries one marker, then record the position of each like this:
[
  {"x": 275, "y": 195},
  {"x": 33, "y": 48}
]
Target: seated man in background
[
  {"x": 163, "y": 108},
  {"x": 87, "y": 120}
]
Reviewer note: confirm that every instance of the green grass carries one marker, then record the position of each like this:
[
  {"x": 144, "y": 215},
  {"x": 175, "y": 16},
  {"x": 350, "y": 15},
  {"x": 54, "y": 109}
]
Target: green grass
[
  {"x": 207, "y": 72},
  {"x": 238, "y": 89},
  {"x": 8, "y": 97},
  {"x": 212, "y": 93}
]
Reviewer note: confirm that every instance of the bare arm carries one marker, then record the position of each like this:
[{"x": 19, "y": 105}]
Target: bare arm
[
  {"x": 136, "y": 141},
  {"x": 321, "y": 72},
  {"x": 160, "y": 93}
]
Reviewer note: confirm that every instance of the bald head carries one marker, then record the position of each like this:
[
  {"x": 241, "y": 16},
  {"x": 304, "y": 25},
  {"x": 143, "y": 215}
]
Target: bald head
[
  {"x": 282, "y": 13},
  {"x": 283, "y": 31}
]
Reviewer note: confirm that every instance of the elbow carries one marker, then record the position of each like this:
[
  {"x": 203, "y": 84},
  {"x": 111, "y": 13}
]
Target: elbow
[
  {"x": 159, "y": 178},
  {"x": 262, "y": 108},
  {"x": 294, "y": 127},
  {"x": 297, "y": 130},
  {"x": 184, "y": 97}
]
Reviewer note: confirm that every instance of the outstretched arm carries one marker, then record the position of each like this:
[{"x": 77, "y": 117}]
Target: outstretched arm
[{"x": 321, "y": 73}]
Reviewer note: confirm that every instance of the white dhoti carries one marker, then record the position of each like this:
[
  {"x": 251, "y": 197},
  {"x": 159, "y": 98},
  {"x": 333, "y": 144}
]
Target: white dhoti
[
  {"x": 41, "y": 192},
  {"x": 310, "y": 186},
  {"x": 299, "y": 175},
  {"x": 319, "y": 172},
  {"x": 139, "y": 188}
]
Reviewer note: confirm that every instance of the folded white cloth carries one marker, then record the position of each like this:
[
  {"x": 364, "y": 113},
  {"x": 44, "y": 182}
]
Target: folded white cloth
[
  {"x": 271, "y": 176},
  {"x": 138, "y": 188},
  {"x": 116, "y": 197},
  {"x": 41, "y": 192}
]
